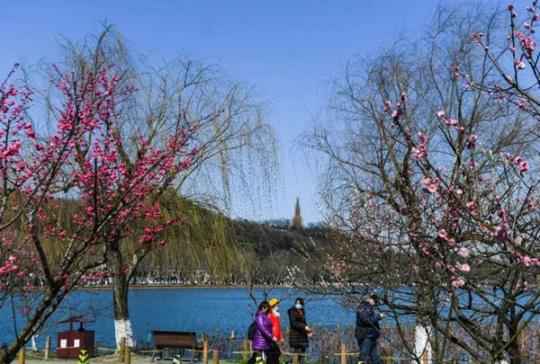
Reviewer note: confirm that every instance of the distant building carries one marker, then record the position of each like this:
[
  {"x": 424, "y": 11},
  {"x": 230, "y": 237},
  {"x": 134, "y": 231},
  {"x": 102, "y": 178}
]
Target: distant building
[{"x": 296, "y": 222}]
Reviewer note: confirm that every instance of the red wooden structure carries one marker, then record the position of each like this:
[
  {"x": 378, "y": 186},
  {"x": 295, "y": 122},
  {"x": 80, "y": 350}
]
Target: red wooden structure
[{"x": 71, "y": 342}]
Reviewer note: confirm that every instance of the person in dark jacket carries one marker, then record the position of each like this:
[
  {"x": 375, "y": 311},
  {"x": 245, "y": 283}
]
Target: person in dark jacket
[
  {"x": 299, "y": 330},
  {"x": 368, "y": 330},
  {"x": 263, "y": 337}
]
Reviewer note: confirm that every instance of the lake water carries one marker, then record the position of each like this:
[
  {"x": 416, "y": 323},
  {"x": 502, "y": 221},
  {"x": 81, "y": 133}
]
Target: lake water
[{"x": 202, "y": 310}]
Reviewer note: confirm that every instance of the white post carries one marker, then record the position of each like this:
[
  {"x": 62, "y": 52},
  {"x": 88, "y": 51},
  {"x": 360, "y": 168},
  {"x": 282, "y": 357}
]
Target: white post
[
  {"x": 34, "y": 343},
  {"x": 422, "y": 344}
]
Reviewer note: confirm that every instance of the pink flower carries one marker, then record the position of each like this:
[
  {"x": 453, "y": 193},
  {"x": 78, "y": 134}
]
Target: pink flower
[
  {"x": 463, "y": 267},
  {"x": 450, "y": 121},
  {"x": 471, "y": 141},
  {"x": 446, "y": 119},
  {"x": 464, "y": 252},
  {"x": 472, "y": 207},
  {"x": 458, "y": 282},
  {"x": 528, "y": 261},
  {"x": 443, "y": 234},
  {"x": 521, "y": 164},
  {"x": 527, "y": 43},
  {"x": 520, "y": 65},
  {"x": 501, "y": 231},
  {"x": 420, "y": 151},
  {"x": 431, "y": 184}
]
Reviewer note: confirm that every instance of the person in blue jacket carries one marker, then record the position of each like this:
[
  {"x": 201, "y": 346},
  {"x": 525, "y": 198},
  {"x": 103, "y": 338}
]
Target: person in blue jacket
[{"x": 368, "y": 330}]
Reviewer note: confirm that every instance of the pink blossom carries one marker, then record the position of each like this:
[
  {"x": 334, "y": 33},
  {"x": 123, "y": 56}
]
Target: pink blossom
[
  {"x": 458, "y": 282},
  {"x": 446, "y": 119},
  {"x": 528, "y": 261},
  {"x": 463, "y": 267},
  {"x": 420, "y": 151},
  {"x": 472, "y": 207},
  {"x": 520, "y": 65},
  {"x": 443, "y": 234},
  {"x": 471, "y": 141},
  {"x": 521, "y": 164},
  {"x": 464, "y": 252},
  {"x": 450, "y": 121},
  {"x": 431, "y": 184},
  {"x": 527, "y": 43},
  {"x": 501, "y": 231}
]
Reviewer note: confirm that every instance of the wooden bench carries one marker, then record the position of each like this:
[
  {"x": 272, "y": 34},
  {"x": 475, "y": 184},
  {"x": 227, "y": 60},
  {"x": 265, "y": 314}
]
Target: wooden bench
[{"x": 179, "y": 341}]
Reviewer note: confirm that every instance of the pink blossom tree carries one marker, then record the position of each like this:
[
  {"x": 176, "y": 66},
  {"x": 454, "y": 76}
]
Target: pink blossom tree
[
  {"x": 432, "y": 184},
  {"x": 182, "y": 101},
  {"x": 74, "y": 189}
]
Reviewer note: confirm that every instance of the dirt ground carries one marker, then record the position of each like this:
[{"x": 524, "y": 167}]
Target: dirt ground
[{"x": 109, "y": 359}]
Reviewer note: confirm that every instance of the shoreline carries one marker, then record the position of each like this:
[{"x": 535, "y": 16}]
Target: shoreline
[{"x": 181, "y": 286}]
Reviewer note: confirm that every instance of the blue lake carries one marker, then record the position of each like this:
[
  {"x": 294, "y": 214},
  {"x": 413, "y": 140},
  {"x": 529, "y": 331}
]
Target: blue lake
[{"x": 202, "y": 310}]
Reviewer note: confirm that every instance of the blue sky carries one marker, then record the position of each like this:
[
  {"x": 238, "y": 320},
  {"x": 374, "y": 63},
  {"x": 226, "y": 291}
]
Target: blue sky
[{"x": 289, "y": 51}]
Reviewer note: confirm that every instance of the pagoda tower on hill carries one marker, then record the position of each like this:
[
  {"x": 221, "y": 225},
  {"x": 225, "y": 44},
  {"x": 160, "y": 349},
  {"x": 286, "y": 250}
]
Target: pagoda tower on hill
[{"x": 296, "y": 222}]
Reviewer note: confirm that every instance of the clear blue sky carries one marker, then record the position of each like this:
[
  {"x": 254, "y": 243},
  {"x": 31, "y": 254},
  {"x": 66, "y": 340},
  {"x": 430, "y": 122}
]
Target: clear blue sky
[{"x": 288, "y": 50}]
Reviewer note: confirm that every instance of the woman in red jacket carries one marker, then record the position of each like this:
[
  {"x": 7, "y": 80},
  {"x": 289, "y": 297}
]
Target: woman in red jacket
[{"x": 274, "y": 353}]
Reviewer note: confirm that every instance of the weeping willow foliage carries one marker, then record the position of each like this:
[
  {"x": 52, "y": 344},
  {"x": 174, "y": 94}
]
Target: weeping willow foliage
[{"x": 201, "y": 240}]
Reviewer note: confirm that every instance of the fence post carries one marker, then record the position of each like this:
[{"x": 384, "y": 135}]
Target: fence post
[
  {"x": 343, "y": 354},
  {"x": 215, "y": 356},
  {"x": 47, "y": 348},
  {"x": 205, "y": 350},
  {"x": 22, "y": 355},
  {"x": 122, "y": 352},
  {"x": 296, "y": 359},
  {"x": 245, "y": 350},
  {"x": 127, "y": 355}
]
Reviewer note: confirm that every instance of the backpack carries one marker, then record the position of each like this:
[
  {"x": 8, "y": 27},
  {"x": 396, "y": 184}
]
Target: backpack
[{"x": 251, "y": 331}]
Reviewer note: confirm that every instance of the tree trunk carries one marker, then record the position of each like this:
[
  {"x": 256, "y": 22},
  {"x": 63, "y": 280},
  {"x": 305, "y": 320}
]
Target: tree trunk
[
  {"x": 7, "y": 355},
  {"x": 422, "y": 342},
  {"x": 122, "y": 323},
  {"x": 43, "y": 312},
  {"x": 514, "y": 349}
]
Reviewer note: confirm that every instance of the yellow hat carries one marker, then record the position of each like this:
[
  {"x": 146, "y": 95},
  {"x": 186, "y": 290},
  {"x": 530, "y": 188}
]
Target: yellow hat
[{"x": 273, "y": 302}]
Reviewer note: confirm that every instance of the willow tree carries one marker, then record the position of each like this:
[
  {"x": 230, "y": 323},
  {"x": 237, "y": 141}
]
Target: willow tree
[
  {"x": 203, "y": 241},
  {"x": 233, "y": 146}
]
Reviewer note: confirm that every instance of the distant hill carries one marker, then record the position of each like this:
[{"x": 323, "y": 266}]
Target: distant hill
[{"x": 226, "y": 251}]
